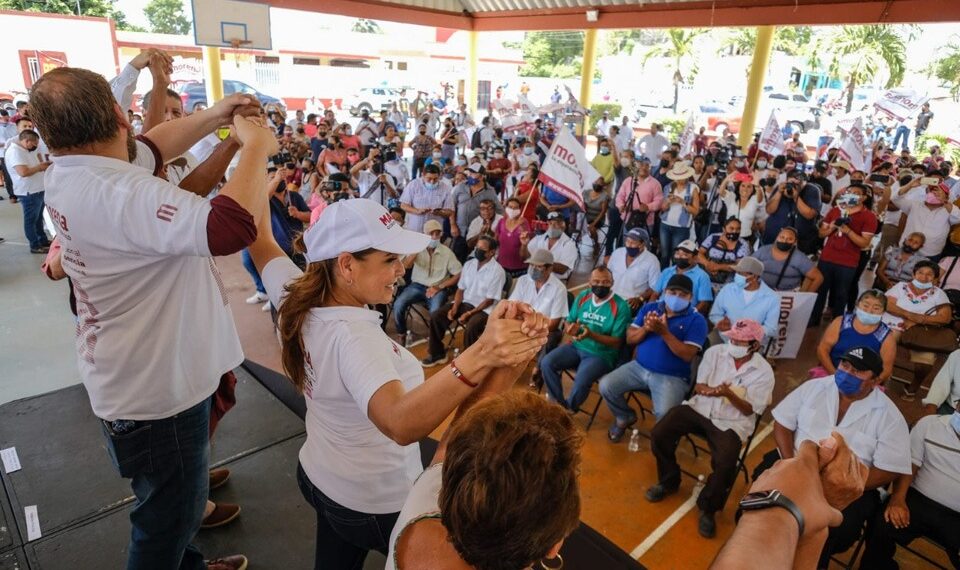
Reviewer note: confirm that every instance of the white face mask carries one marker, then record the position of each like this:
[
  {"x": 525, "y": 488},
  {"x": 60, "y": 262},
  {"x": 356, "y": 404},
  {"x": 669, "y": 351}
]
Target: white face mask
[
  {"x": 736, "y": 351},
  {"x": 512, "y": 213},
  {"x": 625, "y": 162}
]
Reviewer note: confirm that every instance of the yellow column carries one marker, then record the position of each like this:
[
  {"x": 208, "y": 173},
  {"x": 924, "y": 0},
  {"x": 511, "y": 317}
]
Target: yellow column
[
  {"x": 471, "y": 88},
  {"x": 586, "y": 71},
  {"x": 211, "y": 74},
  {"x": 758, "y": 72}
]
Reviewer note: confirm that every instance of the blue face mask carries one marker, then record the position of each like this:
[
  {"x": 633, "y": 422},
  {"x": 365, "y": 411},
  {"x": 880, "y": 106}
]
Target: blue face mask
[
  {"x": 430, "y": 185},
  {"x": 920, "y": 285},
  {"x": 433, "y": 243},
  {"x": 740, "y": 281},
  {"x": 868, "y": 318},
  {"x": 955, "y": 422},
  {"x": 676, "y": 303},
  {"x": 471, "y": 180},
  {"x": 847, "y": 383}
]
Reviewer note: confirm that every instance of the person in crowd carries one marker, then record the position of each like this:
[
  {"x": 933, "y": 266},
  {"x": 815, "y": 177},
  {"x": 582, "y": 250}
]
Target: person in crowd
[
  {"x": 605, "y": 160},
  {"x": 484, "y": 224},
  {"x": 557, "y": 242},
  {"x": 847, "y": 229},
  {"x": 27, "y": 168},
  {"x": 448, "y": 140},
  {"x": 849, "y": 402},
  {"x": 863, "y": 327},
  {"x": 595, "y": 201},
  {"x": 368, "y": 130},
  {"x": 918, "y": 302},
  {"x": 528, "y": 193},
  {"x": 747, "y": 297},
  {"x": 624, "y": 138},
  {"x": 422, "y": 146},
  {"x": 652, "y": 144},
  {"x": 452, "y": 515},
  {"x": 498, "y": 168},
  {"x": 932, "y": 215},
  {"x": 681, "y": 203},
  {"x": 434, "y": 271},
  {"x": 745, "y": 202},
  {"x": 795, "y": 203},
  {"x": 553, "y": 201},
  {"x": 511, "y": 231},
  {"x": 596, "y": 322},
  {"x": 924, "y": 502},
  {"x": 319, "y": 142},
  {"x": 310, "y": 179},
  {"x": 923, "y": 121},
  {"x": 945, "y": 387},
  {"x": 635, "y": 269},
  {"x": 897, "y": 263},
  {"x": 734, "y": 386},
  {"x": 333, "y": 158},
  {"x": 668, "y": 335},
  {"x": 373, "y": 182},
  {"x": 165, "y": 256},
  {"x": 366, "y": 398},
  {"x": 427, "y": 198},
  {"x": 720, "y": 252},
  {"x": 602, "y": 129},
  {"x": 481, "y": 285},
  {"x": 785, "y": 268},
  {"x": 685, "y": 263},
  {"x": 639, "y": 198},
  {"x": 436, "y": 158},
  {"x": 467, "y": 198}
]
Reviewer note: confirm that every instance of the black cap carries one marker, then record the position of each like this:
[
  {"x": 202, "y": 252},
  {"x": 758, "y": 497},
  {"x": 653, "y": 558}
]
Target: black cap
[
  {"x": 864, "y": 358},
  {"x": 680, "y": 281}
]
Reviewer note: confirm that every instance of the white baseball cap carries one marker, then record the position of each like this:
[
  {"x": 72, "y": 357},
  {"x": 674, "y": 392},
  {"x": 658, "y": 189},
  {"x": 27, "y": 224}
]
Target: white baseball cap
[{"x": 349, "y": 226}]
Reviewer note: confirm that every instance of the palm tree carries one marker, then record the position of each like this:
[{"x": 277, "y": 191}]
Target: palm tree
[
  {"x": 679, "y": 48},
  {"x": 860, "y": 53},
  {"x": 947, "y": 67}
]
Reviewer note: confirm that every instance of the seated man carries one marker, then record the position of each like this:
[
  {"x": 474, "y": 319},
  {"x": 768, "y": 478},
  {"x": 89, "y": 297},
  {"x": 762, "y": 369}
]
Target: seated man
[
  {"x": 635, "y": 270},
  {"x": 435, "y": 269},
  {"x": 945, "y": 387},
  {"x": 563, "y": 248},
  {"x": 541, "y": 289},
  {"x": 480, "y": 287},
  {"x": 484, "y": 223},
  {"x": 927, "y": 502},
  {"x": 668, "y": 334},
  {"x": 748, "y": 297},
  {"x": 849, "y": 403},
  {"x": 597, "y": 321},
  {"x": 685, "y": 263},
  {"x": 734, "y": 384}
]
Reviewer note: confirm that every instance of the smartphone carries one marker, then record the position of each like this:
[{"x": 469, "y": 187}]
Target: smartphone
[
  {"x": 929, "y": 181},
  {"x": 879, "y": 178},
  {"x": 223, "y": 133}
]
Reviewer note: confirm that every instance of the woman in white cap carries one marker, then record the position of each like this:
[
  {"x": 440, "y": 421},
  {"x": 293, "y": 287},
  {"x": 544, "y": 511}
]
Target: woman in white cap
[
  {"x": 680, "y": 206},
  {"x": 367, "y": 402}
]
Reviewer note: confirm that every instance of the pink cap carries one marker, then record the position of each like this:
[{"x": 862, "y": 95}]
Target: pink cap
[{"x": 745, "y": 330}]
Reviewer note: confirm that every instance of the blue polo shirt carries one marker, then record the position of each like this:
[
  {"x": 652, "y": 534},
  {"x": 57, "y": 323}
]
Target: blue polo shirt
[
  {"x": 701, "y": 283},
  {"x": 653, "y": 353},
  {"x": 763, "y": 306}
]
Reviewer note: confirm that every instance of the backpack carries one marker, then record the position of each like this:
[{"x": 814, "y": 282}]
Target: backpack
[{"x": 475, "y": 139}]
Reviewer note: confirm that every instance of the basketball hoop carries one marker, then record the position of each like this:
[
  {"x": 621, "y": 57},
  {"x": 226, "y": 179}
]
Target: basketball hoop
[{"x": 237, "y": 43}]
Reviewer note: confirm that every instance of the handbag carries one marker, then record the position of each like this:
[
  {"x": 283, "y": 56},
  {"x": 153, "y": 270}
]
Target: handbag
[{"x": 929, "y": 338}]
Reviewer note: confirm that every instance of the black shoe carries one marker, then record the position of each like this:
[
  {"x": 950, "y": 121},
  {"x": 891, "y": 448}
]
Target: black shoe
[
  {"x": 657, "y": 492},
  {"x": 431, "y": 360},
  {"x": 707, "y": 527},
  {"x": 42, "y": 249}
]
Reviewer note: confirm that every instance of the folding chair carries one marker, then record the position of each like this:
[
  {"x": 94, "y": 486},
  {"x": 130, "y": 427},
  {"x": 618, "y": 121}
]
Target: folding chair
[
  {"x": 593, "y": 391},
  {"x": 741, "y": 465}
]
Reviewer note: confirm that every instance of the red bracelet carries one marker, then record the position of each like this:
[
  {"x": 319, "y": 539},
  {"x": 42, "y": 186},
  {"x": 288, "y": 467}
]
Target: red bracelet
[{"x": 460, "y": 376}]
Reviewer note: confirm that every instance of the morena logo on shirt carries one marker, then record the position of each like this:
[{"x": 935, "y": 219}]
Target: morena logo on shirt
[{"x": 387, "y": 221}]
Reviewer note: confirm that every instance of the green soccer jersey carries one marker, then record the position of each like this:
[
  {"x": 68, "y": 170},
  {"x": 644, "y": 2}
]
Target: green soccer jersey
[{"x": 610, "y": 317}]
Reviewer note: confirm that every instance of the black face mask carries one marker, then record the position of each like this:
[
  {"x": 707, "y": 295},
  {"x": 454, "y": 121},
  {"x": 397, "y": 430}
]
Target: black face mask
[
  {"x": 681, "y": 262},
  {"x": 664, "y": 163},
  {"x": 600, "y": 291},
  {"x": 732, "y": 236},
  {"x": 633, "y": 251},
  {"x": 480, "y": 254},
  {"x": 784, "y": 246}
]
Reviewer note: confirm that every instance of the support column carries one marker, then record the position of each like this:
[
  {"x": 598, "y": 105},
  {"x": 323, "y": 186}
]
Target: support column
[
  {"x": 758, "y": 72},
  {"x": 211, "y": 74},
  {"x": 471, "y": 88},
  {"x": 589, "y": 64}
]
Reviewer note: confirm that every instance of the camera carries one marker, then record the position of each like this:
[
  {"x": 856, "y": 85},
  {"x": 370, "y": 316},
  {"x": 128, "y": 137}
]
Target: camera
[
  {"x": 282, "y": 157},
  {"x": 789, "y": 188}
]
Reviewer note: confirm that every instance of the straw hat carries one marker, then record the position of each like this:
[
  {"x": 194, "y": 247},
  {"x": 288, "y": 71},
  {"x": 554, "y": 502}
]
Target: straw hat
[{"x": 681, "y": 171}]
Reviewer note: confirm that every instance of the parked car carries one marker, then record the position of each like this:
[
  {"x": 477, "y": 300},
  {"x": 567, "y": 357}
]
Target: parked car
[
  {"x": 377, "y": 99},
  {"x": 720, "y": 117},
  {"x": 193, "y": 92}
]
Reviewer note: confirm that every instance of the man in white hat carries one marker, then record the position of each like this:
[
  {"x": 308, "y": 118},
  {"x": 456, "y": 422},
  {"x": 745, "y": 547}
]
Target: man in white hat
[
  {"x": 541, "y": 289},
  {"x": 840, "y": 176},
  {"x": 558, "y": 243},
  {"x": 678, "y": 209}
]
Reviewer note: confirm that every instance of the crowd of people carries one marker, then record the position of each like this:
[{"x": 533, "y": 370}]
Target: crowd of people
[{"x": 344, "y": 238}]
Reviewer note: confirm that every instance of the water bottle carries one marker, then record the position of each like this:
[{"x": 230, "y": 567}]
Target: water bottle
[{"x": 634, "y": 445}]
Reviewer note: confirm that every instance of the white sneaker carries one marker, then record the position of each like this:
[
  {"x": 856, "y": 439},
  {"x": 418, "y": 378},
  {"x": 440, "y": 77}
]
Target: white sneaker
[
  {"x": 266, "y": 307},
  {"x": 257, "y": 298}
]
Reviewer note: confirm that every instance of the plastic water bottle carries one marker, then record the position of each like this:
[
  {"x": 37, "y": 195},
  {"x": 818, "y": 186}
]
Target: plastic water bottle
[{"x": 634, "y": 445}]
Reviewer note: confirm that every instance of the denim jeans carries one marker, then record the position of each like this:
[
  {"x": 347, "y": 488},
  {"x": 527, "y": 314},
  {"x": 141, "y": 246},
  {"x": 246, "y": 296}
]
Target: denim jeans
[
  {"x": 167, "y": 462},
  {"x": 252, "y": 270},
  {"x": 33, "y": 219},
  {"x": 902, "y": 131},
  {"x": 665, "y": 391},
  {"x": 566, "y": 357},
  {"x": 344, "y": 536},
  {"x": 670, "y": 238},
  {"x": 412, "y": 294}
]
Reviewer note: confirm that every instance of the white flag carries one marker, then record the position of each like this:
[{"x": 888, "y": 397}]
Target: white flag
[
  {"x": 686, "y": 138},
  {"x": 566, "y": 168},
  {"x": 901, "y": 104},
  {"x": 853, "y": 147},
  {"x": 771, "y": 140}
]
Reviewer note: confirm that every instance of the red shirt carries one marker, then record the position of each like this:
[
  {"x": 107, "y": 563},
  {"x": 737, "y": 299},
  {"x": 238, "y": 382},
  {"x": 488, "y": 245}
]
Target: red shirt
[
  {"x": 838, "y": 248},
  {"x": 502, "y": 164}
]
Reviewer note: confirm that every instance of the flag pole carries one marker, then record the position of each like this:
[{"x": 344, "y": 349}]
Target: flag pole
[{"x": 527, "y": 203}]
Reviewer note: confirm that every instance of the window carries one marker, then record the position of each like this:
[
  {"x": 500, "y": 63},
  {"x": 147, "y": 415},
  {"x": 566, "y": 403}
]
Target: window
[
  {"x": 402, "y": 65},
  {"x": 267, "y": 59},
  {"x": 388, "y": 64},
  {"x": 306, "y": 61},
  {"x": 34, "y": 63}
]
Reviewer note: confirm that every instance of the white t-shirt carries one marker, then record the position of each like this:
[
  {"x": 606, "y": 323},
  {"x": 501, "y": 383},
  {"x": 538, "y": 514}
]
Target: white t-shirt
[
  {"x": 635, "y": 280},
  {"x": 873, "y": 427},
  {"x": 564, "y": 251},
  {"x": 155, "y": 332},
  {"x": 652, "y": 146},
  {"x": 935, "y": 449},
  {"x": 349, "y": 358},
  {"x": 16, "y": 155},
  {"x": 550, "y": 300},
  {"x": 423, "y": 502},
  {"x": 907, "y": 300},
  {"x": 933, "y": 223},
  {"x": 481, "y": 283}
]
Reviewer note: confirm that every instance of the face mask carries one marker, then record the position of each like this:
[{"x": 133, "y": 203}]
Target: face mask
[
  {"x": 633, "y": 251},
  {"x": 604, "y": 151},
  {"x": 472, "y": 181},
  {"x": 955, "y": 421},
  {"x": 664, "y": 163},
  {"x": 528, "y": 150},
  {"x": 923, "y": 286},
  {"x": 738, "y": 164},
  {"x": 847, "y": 383},
  {"x": 625, "y": 162},
  {"x": 436, "y": 156},
  {"x": 433, "y": 243},
  {"x": 737, "y": 352},
  {"x": 347, "y": 132},
  {"x": 480, "y": 254},
  {"x": 908, "y": 248},
  {"x": 933, "y": 200},
  {"x": 554, "y": 233},
  {"x": 422, "y": 132},
  {"x": 732, "y": 236},
  {"x": 498, "y": 155},
  {"x": 461, "y": 162},
  {"x": 512, "y": 212},
  {"x": 866, "y": 318},
  {"x": 675, "y": 303},
  {"x": 761, "y": 164},
  {"x": 784, "y": 246},
  {"x": 536, "y": 273},
  {"x": 600, "y": 291},
  {"x": 740, "y": 281},
  {"x": 681, "y": 262},
  {"x": 430, "y": 185}
]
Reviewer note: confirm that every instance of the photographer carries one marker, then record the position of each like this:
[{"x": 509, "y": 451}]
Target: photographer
[
  {"x": 333, "y": 157},
  {"x": 795, "y": 203},
  {"x": 335, "y": 187},
  {"x": 373, "y": 182}
]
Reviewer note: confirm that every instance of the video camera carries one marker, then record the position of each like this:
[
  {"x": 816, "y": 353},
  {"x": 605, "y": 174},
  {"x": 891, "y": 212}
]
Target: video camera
[{"x": 281, "y": 158}]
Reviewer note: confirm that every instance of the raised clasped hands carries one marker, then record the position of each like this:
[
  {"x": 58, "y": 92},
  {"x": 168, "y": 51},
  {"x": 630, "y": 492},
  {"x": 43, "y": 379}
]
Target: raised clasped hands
[{"x": 514, "y": 334}]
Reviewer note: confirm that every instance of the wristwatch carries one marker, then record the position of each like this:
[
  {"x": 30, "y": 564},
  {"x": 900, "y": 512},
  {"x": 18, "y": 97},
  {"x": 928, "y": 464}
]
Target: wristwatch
[{"x": 767, "y": 499}]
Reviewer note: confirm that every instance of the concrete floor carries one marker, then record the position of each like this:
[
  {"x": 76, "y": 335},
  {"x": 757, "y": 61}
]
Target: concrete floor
[{"x": 37, "y": 355}]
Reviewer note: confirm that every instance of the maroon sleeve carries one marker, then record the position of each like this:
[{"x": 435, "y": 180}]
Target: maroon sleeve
[
  {"x": 230, "y": 228},
  {"x": 157, "y": 158}
]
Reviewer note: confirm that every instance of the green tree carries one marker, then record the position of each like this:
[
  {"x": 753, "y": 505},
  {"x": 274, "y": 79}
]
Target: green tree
[
  {"x": 859, "y": 54},
  {"x": 947, "y": 67},
  {"x": 365, "y": 26},
  {"x": 679, "y": 47},
  {"x": 167, "y": 17},
  {"x": 552, "y": 54},
  {"x": 97, "y": 8}
]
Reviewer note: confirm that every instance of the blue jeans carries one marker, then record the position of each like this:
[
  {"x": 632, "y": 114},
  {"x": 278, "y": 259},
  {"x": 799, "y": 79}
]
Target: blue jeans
[
  {"x": 344, "y": 536},
  {"x": 252, "y": 270},
  {"x": 665, "y": 391},
  {"x": 670, "y": 238},
  {"x": 566, "y": 357},
  {"x": 412, "y": 294},
  {"x": 33, "y": 220},
  {"x": 167, "y": 462},
  {"x": 902, "y": 131}
]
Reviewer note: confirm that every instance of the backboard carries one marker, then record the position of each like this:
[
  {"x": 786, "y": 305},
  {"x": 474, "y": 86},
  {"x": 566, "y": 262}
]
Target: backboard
[{"x": 232, "y": 23}]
